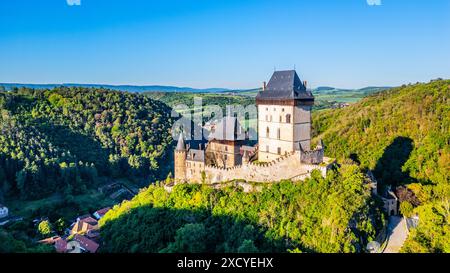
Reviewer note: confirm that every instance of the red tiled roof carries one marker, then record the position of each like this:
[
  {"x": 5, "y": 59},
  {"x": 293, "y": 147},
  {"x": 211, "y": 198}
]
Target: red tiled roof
[
  {"x": 50, "y": 240},
  {"x": 85, "y": 224},
  {"x": 61, "y": 245},
  {"x": 89, "y": 220},
  {"x": 103, "y": 211},
  {"x": 92, "y": 234},
  {"x": 86, "y": 243}
]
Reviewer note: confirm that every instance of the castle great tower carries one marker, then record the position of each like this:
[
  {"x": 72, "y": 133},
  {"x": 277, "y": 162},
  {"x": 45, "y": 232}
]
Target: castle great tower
[{"x": 284, "y": 116}]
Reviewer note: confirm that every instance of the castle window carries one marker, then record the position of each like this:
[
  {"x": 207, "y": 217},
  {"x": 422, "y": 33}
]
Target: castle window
[
  {"x": 267, "y": 148},
  {"x": 267, "y": 109},
  {"x": 267, "y": 132},
  {"x": 278, "y": 133},
  {"x": 279, "y": 150},
  {"x": 270, "y": 118},
  {"x": 226, "y": 148},
  {"x": 282, "y": 109},
  {"x": 225, "y": 157},
  {"x": 267, "y": 118},
  {"x": 281, "y": 119},
  {"x": 288, "y": 118}
]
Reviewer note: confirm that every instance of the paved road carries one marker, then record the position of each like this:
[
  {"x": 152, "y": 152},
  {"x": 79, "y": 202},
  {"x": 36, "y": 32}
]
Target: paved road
[{"x": 397, "y": 234}]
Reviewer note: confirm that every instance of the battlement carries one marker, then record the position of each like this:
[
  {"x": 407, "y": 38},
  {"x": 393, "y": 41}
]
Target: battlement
[
  {"x": 296, "y": 166},
  {"x": 283, "y": 168},
  {"x": 256, "y": 165}
]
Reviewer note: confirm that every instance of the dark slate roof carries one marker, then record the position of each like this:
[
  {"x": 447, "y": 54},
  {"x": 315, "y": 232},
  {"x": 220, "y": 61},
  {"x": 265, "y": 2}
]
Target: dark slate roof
[
  {"x": 228, "y": 128},
  {"x": 196, "y": 155},
  {"x": 285, "y": 85}
]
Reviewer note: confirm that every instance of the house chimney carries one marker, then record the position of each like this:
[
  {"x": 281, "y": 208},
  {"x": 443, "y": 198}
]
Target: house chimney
[{"x": 264, "y": 86}]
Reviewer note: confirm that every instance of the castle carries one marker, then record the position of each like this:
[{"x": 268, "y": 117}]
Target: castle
[{"x": 283, "y": 150}]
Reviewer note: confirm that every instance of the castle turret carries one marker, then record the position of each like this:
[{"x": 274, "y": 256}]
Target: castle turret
[{"x": 180, "y": 160}]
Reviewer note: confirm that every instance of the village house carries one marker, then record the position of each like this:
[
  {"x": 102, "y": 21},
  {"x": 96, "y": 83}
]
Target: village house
[
  {"x": 85, "y": 231},
  {"x": 101, "y": 212},
  {"x": 61, "y": 245},
  {"x": 84, "y": 224},
  {"x": 3, "y": 211},
  {"x": 85, "y": 244}
]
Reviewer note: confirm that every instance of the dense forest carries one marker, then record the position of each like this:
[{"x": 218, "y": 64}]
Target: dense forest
[
  {"x": 67, "y": 139},
  {"x": 403, "y": 135},
  {"x": 62, "y": 140},
  {"x": 333, "y": 214}
]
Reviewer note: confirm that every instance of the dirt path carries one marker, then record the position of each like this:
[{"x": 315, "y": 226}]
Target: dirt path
[{"x": 397, "y": 234}]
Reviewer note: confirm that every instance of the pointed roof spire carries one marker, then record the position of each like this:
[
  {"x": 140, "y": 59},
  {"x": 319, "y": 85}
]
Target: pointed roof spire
[{"x": 180, "y": 145}]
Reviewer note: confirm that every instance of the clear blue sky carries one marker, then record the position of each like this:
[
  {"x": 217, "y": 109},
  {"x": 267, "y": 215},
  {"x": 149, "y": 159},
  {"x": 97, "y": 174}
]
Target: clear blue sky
[{"x": 224, "y": 43}]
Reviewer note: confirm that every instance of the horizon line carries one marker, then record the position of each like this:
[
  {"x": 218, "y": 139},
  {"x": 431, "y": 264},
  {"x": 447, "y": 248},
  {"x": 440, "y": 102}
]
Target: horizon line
[{"x": 198, "y": 88}]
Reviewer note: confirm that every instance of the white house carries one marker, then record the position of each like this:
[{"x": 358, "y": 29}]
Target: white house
[
  {"x": 100, "y": 213},
  {"x": 3, "y": 211}
]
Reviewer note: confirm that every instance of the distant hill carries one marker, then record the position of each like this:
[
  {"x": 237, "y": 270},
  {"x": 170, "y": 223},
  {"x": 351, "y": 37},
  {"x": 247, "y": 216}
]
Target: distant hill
[
  {"x": 327, "y": 88},
  {"x": 126, "y": 88},
  {"x": 322, "y": 90},
  {"x": 169, "y": 88},
  {"x": 367, "y": 90}
]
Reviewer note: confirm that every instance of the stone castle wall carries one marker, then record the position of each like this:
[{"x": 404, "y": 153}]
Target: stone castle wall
[{"x": 286, "y": 167}]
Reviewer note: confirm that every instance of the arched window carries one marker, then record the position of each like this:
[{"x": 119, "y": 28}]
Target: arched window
[
  {"x": 278, "y": 133},
  {"x": 267, "y": 132},
  {"x": 288, "y": 118}
]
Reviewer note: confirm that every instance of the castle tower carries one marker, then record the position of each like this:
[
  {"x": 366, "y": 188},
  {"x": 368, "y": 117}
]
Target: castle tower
[
  {"x": 180, "y": 160},
  {"x": 284, "y": 116}
]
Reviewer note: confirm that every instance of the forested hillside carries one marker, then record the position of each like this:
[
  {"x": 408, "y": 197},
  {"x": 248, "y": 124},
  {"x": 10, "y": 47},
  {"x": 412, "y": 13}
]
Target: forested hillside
[
  {"x": 62, "y": 140},
  {"x": 335, "y": 214},
  {"x": 403, "y": 135}
]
